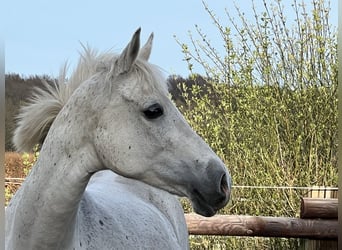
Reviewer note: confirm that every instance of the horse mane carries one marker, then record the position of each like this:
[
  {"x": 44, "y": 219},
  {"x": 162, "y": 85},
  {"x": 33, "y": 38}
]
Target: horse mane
[{"x": 39, "y": 112}]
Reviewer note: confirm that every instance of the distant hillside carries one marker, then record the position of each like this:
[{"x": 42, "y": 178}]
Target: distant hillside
[{"x": 17, "y": 90}]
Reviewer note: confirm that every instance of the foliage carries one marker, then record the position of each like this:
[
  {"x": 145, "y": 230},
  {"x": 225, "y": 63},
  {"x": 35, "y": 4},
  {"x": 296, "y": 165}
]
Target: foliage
[
  {"x": 269, "y": 109},
  {"x": 29, "y": 160},
  {"x": 8, "y": 195}
]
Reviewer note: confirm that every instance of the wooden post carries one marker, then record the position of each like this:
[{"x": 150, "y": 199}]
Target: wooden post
[
  {"x": 323, "y": 208},
  {"x": 321, "y": 192}
]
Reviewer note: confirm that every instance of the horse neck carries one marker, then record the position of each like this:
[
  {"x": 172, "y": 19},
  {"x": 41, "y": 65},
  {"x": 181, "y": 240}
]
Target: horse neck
[
  {"x": 50, "y": 196},
  {"x": 67, "y": 159}
]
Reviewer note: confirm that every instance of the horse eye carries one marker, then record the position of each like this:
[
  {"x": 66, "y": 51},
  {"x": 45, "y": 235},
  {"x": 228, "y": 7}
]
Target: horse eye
[{"x": 154, "y": 111}]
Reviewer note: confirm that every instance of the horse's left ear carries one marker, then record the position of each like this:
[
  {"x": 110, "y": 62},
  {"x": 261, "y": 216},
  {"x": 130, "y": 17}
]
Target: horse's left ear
[
  {"x": 145, "y": 51},
  {"x": 129, "y": 54}
]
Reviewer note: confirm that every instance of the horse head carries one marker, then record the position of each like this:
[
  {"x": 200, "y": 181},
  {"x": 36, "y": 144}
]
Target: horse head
[{"x": 140, "y": 133}]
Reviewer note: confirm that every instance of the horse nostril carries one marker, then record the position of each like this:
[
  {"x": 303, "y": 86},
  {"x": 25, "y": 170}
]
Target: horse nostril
[{"x": 224, "y": 184}]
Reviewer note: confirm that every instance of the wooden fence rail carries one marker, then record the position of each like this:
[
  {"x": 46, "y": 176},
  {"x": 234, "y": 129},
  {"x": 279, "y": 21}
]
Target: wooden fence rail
[
  {"x": 318, "y": 208},
  {"x": 262, "y": 226},
  {"x": 318, "y": 221}
]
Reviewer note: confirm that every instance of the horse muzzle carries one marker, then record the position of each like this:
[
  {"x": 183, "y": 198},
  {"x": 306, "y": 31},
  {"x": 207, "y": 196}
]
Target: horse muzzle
[{"x": 213, "y": 192}]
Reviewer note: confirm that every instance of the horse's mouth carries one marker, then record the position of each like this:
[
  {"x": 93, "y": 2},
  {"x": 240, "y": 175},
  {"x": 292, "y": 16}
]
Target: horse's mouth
[{"x": 205, "y": 208}]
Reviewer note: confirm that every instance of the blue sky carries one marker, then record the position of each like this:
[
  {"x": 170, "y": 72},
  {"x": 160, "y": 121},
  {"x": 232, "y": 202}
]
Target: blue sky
[{"x": 41, "y": 35}]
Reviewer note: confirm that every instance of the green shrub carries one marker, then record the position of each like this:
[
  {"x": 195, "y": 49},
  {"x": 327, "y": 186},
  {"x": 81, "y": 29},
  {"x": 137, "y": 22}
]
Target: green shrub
[{"x": 269, "y": 109}]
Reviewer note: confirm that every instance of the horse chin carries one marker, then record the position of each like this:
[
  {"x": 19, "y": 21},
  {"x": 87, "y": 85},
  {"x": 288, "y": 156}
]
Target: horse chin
[
  {"x": 204, "y": 210},
  {"x": 201, "y": 207}
]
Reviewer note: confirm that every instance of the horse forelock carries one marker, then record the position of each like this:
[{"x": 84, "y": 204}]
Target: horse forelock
[{"x": 37, "y": 115}]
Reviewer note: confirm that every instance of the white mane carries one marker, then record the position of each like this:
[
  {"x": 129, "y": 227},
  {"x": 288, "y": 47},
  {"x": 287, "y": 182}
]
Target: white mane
[{"x": 37, "y": 115}]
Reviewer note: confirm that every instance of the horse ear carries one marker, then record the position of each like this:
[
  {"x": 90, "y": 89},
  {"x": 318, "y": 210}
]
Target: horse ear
[
  {"x": 145, "y": 51},
  {"x": 129, "y": 54}
]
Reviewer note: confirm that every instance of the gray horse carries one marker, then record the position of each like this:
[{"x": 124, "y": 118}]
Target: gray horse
[{"x": 115, "y": 154}]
